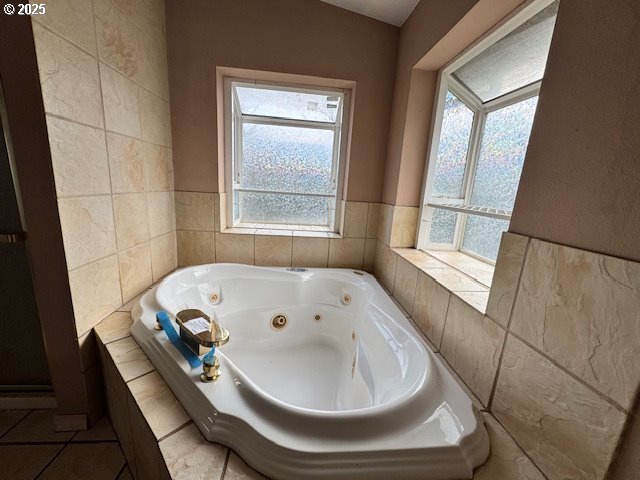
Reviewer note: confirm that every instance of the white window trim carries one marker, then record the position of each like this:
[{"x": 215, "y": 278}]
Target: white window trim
[
  {"x": 232, "y": 145},
  {"x": 446, "y": 82}
]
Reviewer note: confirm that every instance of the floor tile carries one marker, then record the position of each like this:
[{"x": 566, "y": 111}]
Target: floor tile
[
  {"x": 238, "y": 470},
  {"x": 9, "y": 418},
  {"x": 100, "y": 432},
  {"x": 36, "y": 427},
  {"x": 189, "y": 455},
  {"x": 24, "y": 462},
  {"x": 95, "y": 461},
  {"x": 125, "y": 474},
  {"x": 28, "y": 401}
]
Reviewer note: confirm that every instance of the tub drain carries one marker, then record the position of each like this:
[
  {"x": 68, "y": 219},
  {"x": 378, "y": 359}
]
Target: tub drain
[{"x": 279, "y": 321}]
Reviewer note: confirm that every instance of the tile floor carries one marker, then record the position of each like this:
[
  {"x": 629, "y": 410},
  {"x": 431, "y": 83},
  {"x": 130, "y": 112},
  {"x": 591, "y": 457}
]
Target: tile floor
[{"x": 31, "y": 449}]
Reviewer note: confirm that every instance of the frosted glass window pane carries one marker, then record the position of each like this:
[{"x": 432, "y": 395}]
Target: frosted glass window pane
[
  {"x": 454, "y": 145},
  {"x": 288, "y": 104},
  {"x": 502, "y": 150},
  {"x": 286, "y": 159},
  {"x": 282, "y": 208},
  {"x": 236, "y": 203},
  {"x": 443, "y": 226},
  {"x": 482, "y": 235},
  {"x": 516, "y": 60}
]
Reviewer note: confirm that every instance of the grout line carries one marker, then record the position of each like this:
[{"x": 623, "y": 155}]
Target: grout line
[
  {"x": 444, "y": 326},
  {"x": 116, "y": 253},
  {"x": 122, "y": 469},
  {"x": 494, "y": 387},
  {"x": 65, "y": 442},
  {"x": 176, "y": 430},
  {"x": 133, "y": 21},
  {"x": 395, "y": 270},
  {"x": 485, "y": 409},
  {"x": 488, "y": 317},
  {"x": 415, "y": 296},
  {"x": 424, "y": 335},
  {"x": 151, "y": 92},
  {"x": 117, "y": 340},
  {"x": 518, "y": 285},
  {"x": 508, "y": 328},
  {"x": 92, "y": 442},
  {"x": 16, "y": 424},
  {"x": 291, "y": 253},
  {"x": 110, "y": 194},
  {"x": 106, "y": 147},
  {"x": 66, "y": 40},
  {"x": 611, "y": 402},
  {"x": 226, "y": 463},
  {"x": 516, "y": 442},
  {"x": 134, "y": 378},
  {"x": 253, "y": 240},
  {"x": 74, "y": 269},
  {"x": 44, "y": 469},
  {"x": 139, "y": 139}
]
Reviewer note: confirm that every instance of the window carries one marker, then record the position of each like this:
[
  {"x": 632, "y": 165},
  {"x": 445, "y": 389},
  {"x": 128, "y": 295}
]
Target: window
[
  {"x": 286, "y": 155},
  {"x": 486, "y": 103}
]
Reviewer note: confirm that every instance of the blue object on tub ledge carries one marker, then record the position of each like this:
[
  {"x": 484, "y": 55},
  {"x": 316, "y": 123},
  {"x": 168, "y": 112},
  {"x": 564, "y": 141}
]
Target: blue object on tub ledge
[{"x": 168, "y": 328}]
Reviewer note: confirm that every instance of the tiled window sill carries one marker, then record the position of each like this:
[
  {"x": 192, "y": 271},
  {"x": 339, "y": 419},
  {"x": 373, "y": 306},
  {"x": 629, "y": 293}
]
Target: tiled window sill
[
  {"x": 480, "y": 271},
  {"x": 276, "y": 226},
  {"x": 466, "y": 277},
  {"x": 281, "y": 232}
]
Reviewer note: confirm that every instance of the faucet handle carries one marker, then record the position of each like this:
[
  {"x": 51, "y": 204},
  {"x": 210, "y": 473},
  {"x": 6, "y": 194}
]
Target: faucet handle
[{"x": 199, "y": 331}]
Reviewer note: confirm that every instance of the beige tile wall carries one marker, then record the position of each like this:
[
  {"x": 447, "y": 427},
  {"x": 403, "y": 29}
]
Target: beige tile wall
[
  {"x": 397, "y": 225},
  {"x": 104, "y": 82},
  {"x": 200, "y": 239},
  {"x": 554, "y": 358},
  {"x": 362, "y": 224}
]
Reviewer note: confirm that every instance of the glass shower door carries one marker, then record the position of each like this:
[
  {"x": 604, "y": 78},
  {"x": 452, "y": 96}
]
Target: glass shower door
[{"x": 24, "y": 363}]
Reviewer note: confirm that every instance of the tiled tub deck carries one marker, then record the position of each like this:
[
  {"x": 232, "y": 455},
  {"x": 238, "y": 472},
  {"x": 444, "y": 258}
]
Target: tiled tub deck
[{"x": 160, "y": 441}]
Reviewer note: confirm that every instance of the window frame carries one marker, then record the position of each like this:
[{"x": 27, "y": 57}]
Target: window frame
[
  {"x": 447, "y": 82},
  {"x": 233, "y": 122}
]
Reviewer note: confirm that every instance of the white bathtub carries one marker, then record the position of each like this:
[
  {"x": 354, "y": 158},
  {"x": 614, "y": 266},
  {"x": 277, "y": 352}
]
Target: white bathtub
[{"x": 353, "y": 395}]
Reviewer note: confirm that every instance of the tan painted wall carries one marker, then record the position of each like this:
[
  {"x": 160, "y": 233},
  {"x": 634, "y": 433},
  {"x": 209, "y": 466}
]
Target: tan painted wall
[
  {"x": 433, "y": 35},
  {"x": 287, "y": 36},
  {"x": 581, "y": 180},
  {"x": 428, "y": 23}
]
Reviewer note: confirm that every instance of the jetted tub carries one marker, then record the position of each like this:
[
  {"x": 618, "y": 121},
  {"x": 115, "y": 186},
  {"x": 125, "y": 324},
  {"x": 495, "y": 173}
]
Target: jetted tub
[{"x": 345, "y": 389}]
